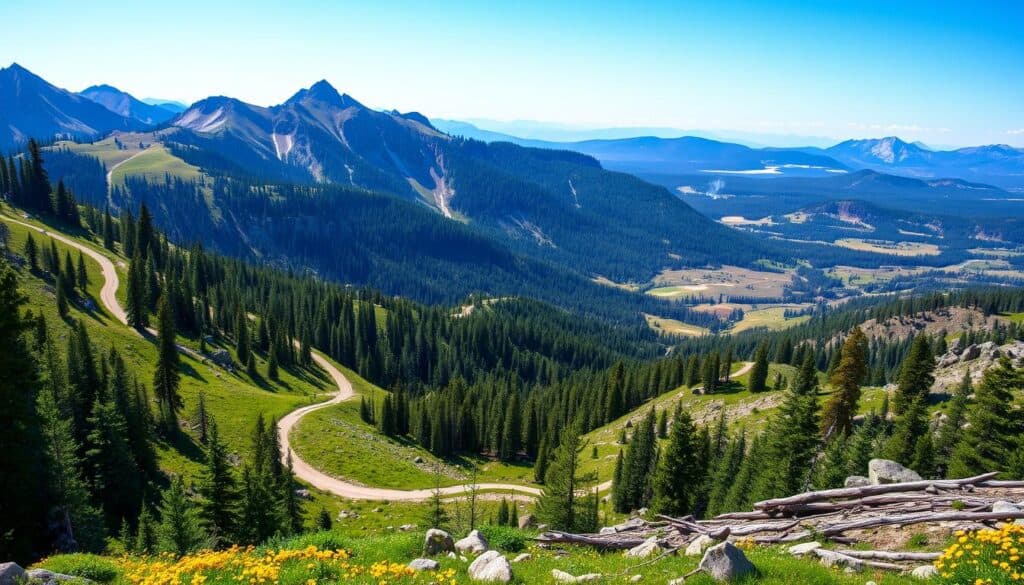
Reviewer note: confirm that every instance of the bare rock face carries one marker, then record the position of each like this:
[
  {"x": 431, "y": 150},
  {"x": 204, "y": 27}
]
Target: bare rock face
[
  {"x": 884, "y": 471},
  {"x": 437, "y": 542},
  {"x": 475, "y": 543},
  {"x": 725, "y": 562},
  {"x": 491, "y": 567}
]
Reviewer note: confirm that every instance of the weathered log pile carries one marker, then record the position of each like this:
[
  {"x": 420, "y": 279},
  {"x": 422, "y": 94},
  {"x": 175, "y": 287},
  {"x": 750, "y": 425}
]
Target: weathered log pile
[{"x": 844, "y": 516}]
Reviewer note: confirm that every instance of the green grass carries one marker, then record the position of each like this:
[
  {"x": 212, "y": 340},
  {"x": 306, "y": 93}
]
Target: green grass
[
  {"x": 774, "y": 566},
  {"x": 154, "y": 163},
  {"x": 771, "y": 318},
  {"x": 234, "y": 400}
]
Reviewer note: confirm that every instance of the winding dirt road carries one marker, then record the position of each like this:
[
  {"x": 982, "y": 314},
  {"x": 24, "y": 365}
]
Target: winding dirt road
[{"x": 303, "y": 470}]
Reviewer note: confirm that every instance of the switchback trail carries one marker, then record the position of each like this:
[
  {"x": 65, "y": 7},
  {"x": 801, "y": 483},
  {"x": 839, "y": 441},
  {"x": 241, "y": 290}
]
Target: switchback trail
[{"x": 303, "y": 470}]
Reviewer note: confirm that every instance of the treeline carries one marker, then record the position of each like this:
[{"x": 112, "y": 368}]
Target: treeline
[{"x": 25, "y": 182}]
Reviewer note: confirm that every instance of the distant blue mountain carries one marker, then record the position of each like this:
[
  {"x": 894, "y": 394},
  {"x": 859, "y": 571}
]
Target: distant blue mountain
[
  {"x": 30, "y": 107},
  {"x": 124, "y": 104}
]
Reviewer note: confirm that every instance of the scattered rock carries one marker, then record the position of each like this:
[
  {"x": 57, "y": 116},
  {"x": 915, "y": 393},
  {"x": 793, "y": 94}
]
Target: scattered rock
[
  {"x": 645, "y": 549},
  {"x": 608, "y": 530},
  {"x": 871, "y": 583},
  {"x": 699, "y": 545},
  {"x": 563, "y": 577},
  {"x": 45, "y": 577},
  {"x": 636, "y": 578},
  {"x": 424, "y": 565},
  {"x": 832, "y": 559},
  {"x": 437, "y": 542},
  {"x": 522, "y": 558},
  {"x": 725, "y": 562},
  {"x": 304, "y": 494},
  {"x": 474, "y": 543},
  {"x": 799, "y": 550},
  {"x": 925, "y": 571},
  {"x": 452, "y": 555},
  {"x": 971, "y": 352},
  {"x": 407, "y": 527},
  {"x": 491, "y": 567},
  {"x": 418, "y": 459},
  {"x": 856, "y": 481},
  {"x": 12, "y": 574},
  {"x": 378, "y": 510},
  {"x": 884, "y": 471},
  {"x": 222, "y": 358},
  {"x": 679, "y": 581},
  {"x": 527, "y": 521},
  {"x": 641, "y": 512}
]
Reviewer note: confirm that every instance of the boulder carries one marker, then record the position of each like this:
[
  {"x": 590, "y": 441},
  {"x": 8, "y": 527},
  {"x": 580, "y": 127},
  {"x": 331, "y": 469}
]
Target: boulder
[
  {"x": 608, "y": 530},
  {"x": 424, "y": 565},
  {"x": 1004, "y": 506},
  {"x": 12, "y": 574},
  {"x": 856, "y": 481},
  {"x": 527, "y": 521},
  {"x": 45, "y": 577},
  {"x": 490, "y": 567},
  {"x": 924, "y": 572},
  {"x": 303, "y": 494},
  {"x": 407, "y": 527},
  {"x": 725, "y": 562},
  {"x": 222, "y": 358},
  {"x": 417, "y": 460},
  {"x": 645, "y": 549},
  {"x": 971, "y": 352},
  {"x": 636, "y": 578},
  {"x": 437, "y": 542},
  {"x": 563, "y": 577},
  {"x": 522, "y": 558},
  {"x": 884, "y": 471},
  {"x": 698, "y": 545},
  {"x": 799, "y": 550},
  {"x": 475, "y": 543}
]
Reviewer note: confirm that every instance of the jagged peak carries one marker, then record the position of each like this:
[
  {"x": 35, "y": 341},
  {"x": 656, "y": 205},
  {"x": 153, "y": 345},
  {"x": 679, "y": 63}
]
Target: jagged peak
[{"x": 323, "y": 91}]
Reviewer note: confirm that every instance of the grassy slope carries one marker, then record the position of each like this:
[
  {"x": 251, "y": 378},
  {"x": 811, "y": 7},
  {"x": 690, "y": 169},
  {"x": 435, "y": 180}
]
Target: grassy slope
[
  {"x": 153, "y": 163},
  {"x": 775, "y": 567},
  {"x": 233, "y": 399}
]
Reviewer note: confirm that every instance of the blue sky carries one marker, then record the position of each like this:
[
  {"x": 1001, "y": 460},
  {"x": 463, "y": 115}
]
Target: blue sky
[{"x": 945, "y": 73}]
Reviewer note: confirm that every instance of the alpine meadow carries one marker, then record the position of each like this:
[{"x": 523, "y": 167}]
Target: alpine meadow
[{"x": 391, "y": 293}]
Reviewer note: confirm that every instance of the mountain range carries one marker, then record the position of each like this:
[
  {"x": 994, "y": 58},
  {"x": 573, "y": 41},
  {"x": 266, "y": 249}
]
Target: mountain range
[{"x": 124, "y": 104}]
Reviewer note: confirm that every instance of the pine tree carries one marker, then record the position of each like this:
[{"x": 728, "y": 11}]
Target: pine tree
[
  {"x": 916, "y": 375},
  {"x": 635, "y": 488},
  {"x": 79, "y": 525},
  {"x": 272, "y": 373},
  {"x": 108, "y": 230},
  {"x": 561, "y": 504},
  {"x": 792, "y": 437},
  {"x": 662, "y": 424},
  {"x": 82, "y": 274},
  {"x": 830, "y": 469},
  {"x": 678, "y": 478},
  {"x": 218, "y": 491},
  {"x": 242, "y": 337},
  {"x": 166, "y": 377},
  {"x": 291, "y": 507},
  {"x": 759, "y": 372},
  {"x": 909, "y": 428},
  {"x": 32, "y": 253},
  {"x": 511, "y": 433},
  {"x": 146, "y": 533},
  {"x": 540, "y": 467},
  {"x": 259, "y": 519},
  {"x": 992, "y": 437},
  {"x": 135, "y": 302},
  {"x": 179, "y": 531},
  {"x": 62, "y": 297},
  {"x": 324, "y": 521},
  {"x": 116, "y": 480},
  {"x": 22, "y": 469},
  {"x": 950, "y": 430},
  {"x": 924, "y": 456},
  {"x": 503, "y": 512},
  {"x": 202, "y": 418},
  {"x": 846, "y": 380}
]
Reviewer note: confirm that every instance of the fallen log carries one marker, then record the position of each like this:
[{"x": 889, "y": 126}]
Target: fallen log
[
  {"x": 609, "y": 542},
  {"x": 871, "y": 490},
  {"x": 744, "y": 530},
  {"x": 884, "y": 555},
  {"x": 906, "y": 519}
]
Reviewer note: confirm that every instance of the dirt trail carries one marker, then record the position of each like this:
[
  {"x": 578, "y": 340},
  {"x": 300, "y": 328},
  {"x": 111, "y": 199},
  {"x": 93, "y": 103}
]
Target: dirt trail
[{"x": 303, "y": 470}]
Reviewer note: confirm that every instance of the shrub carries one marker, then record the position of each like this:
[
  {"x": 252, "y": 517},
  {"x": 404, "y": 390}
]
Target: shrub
[
  {"x": 505, "y": 538},
  {"x": 87, "y": 566},
  {"x": 984, "y": 556}
]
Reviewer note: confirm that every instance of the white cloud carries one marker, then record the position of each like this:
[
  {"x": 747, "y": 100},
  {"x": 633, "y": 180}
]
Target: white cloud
[{"x": 1017, "y": 132}]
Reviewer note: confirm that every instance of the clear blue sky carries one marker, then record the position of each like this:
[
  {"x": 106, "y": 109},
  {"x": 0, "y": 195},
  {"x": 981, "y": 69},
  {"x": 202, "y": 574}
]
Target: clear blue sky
[{"x": 945, "y": 73}]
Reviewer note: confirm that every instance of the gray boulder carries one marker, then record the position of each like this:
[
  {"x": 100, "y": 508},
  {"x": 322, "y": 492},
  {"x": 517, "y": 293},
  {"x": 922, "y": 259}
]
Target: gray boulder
[
  {"x": 437, "y": 542},
  {"x": 490, "y": 567},
  {"x": 698, "y": 545},
  {"x": 924, "y": 572},
  {"x": 725, "y": 562},
  {"x": 475, "y": 543},
  {"x": 12, "y": 574},
  {"x": 856, "y": 481},
  {"x": 424, "y": 565},
  {"x": 222, "y": 358},
  {"x": 522, "y": 558},
  {"x": 45, "y": 577},
  {"x": 563, "y": 577},
  {"x": 799, "y": 550},
  {"x": 971, "y": 352},
  {"x": 884, "y": 471}
]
